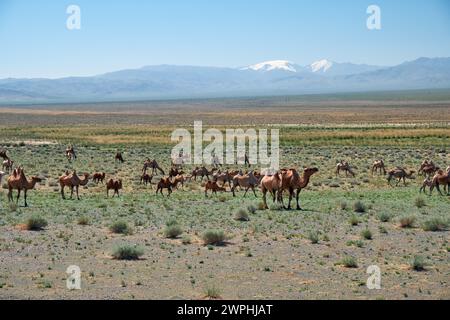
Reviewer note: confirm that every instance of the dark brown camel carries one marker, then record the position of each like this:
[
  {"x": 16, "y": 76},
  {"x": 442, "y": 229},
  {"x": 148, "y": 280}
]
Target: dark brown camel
[
  {"x": 99, "y": 177},
  {"x": 153, "y": 165},
  {"x": 119, "y": 157},
  {"x": 115, "y": 185}
]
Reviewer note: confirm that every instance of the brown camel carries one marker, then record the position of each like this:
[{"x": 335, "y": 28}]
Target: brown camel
[
  {"x": 400, "y": 174},
  {"x": 7, "y": 165},
  {"x": 291, "y": 181},
  {"x": 146, "y": 179},
  {"x": 179, "y": 179},
  {"x": 440, "y": 178},
  {"x": 174, "y": 171},
  {"x": 214, "y": 187},
  {"x": 426, "y": 183},
  {"x": 99, "y": 177},
  {"x": 72, "y": 181},
  {"x": 344, "y": 166},
  {"x": 153, "y": 165},
  {"x": 246, "y": 181},
  {"x": 223, "y": 177},
  {"x": 202, "y": 172},
  {"x": 119, "y": 157},
  {"x": 164, "y": 183},
  {"x": 19, "y": 182},
  {"x": 3, "y": 154},
  {"x": 378, "y": 165},
  {"x": 115, "y": 185},
  {"x": 272, "y": 184}
]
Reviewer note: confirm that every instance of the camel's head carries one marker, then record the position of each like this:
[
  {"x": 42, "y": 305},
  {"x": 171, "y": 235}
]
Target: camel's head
[{"x": 310, "y": 171}]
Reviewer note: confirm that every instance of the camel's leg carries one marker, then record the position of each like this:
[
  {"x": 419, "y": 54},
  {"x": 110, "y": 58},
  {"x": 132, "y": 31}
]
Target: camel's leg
[
  {"x": 254, "y": 192},
  {"x": 62, "y": 192},
  {"x": 10, "y": 197},
  {"x": 78, "y": 197},
  {"x": 18, "y": 195},
  {"x": 296, "y": 198},
  {"x": 245, "y": 193},
  {"x": 25, "y": 197},
  {"x": 439, "y": 189},
  {"x": 264, "y": 191}
]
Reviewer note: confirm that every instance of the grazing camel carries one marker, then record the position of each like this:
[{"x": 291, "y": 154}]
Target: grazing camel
[
  {"x": 400, "y": 174},
  {"x": 291, "y": 181},
  {"x": 119, "y": 157},
  {"x": 115, "y": 185},
  {"x": 72, "y": 181},
  {"x": 214, "y": 187},
  {"x": 99, "y": 177},
  {"x": 344, "y": 166},
  {"x": 19, "y": 182},
  {"x": 70, "y": 153},
  {"x": 3, "y": 154},
  {"x": 378, "y": 165},
  {"x": 246, "y": 181},
  {"x": 146, "y": 179},
  {"x": 272, "y": 184},
  {"x": 7, "y": 165},
  {"x": 441, "y": 178},
  {"x": 164, "y": 183},
  {"x": 153, "y": 165},
  {"x": 427, "y": 168}
]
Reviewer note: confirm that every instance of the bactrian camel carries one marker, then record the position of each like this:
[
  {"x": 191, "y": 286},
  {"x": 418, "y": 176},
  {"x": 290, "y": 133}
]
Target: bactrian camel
[
  {"x": 153, "y": 165},
  {"x": 17, "y": 180},
  {"x": 400, "y": 174},
  {"x": 292, "y": 181},
  {"x": 378, "y": 165},
  {"x": 271, "y": 183},
  {"x": 73, "y": 182}
]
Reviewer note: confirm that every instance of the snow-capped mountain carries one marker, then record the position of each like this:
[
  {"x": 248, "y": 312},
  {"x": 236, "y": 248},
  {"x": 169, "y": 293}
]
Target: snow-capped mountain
[
  {"x": 278, "y": 77},
  {"x": 320, "y": 66},
  {"x": 273, "y": 65}
]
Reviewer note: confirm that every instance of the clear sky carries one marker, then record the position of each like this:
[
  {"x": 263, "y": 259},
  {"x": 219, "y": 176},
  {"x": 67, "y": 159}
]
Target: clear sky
[{"x": 34, "y": 40}]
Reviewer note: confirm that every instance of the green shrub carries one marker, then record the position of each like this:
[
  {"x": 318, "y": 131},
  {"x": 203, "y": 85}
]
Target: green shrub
[
  {"x": 360, "y": 207},
  {"x": 215, "y": 237},
  {"x": 251, "y": 209},
  {"x": 241, "y": 215},
  {"x": 173, "y": 231},
  {"x": 384, "y": 217},
  {"x": 349, "y": 262},
  {"x": 435, "y": 224},
  {"x": 313, "y": 236},
  {"x": 127, "y": 252},
  {"x": 35, "y": 223},
  {"x": 366, "y": 234},
  {"x": 186, "y": 240},
  {"x": 354, "y": 220},
  {"x": 83, "y": 221},
  {"x": 419, "y": 202},
  {"x": 212, "y": 292},
  {"x": 121, "y": 227},
  {"x": 418, "y": 263},
  {"x": 407, "y": 221}
]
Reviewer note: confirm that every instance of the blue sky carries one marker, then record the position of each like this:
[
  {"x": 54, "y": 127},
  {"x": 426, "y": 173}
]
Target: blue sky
[{"x": 34, "y": 40}]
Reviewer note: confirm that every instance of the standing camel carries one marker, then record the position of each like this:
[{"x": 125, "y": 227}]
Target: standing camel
[
  {"x": 115, "y": 185},
  {"x": 439, "y": 178},
  {"x": 70, "y": 153},
  {"x": 98, "y": 177},
  {"x": 164, "y": 183},
  {"x": 400, "y": 174},
  {"x": 72, "y": 181},
  {"x": 378, "y": 165},
  {"x": 119, "y": 157},
  {"x": 344, "y": 166},
  {"x": 291, "y": 181},
  {"x": 246, "y": 181},
  {"x": 272, "y": 184},
  {"x": 427, "y": 168},
  {"x": 19, "y": 182},
  {"x": 153, "y": 165}
]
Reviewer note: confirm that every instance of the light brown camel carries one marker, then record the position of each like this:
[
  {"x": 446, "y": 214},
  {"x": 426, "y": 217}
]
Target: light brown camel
[
  {"x": 214, "y": 187},
  {"x": 115, "y": 185},
  {"x": 7, "y": 165},
  {"x": 17, "y": 180},
  {"x": 146, "y": 179},
  {"x": 119, "y": 157},
  {"x": 426, "y": 183},
  {"x": 164, "y": 183},
  {"x": 427, "y": 168},
  {"x": 72, "y": 181},
  {"x": 153, "y": 165},
  {"x": 179, "y": 179},
  {"x": 400, "y": 174},
  {"x": 246, "y": 181},
  {"x": 344, "y": 166},
  {"x": 440, "y": 178},
  {"x": 291, "y": 181},
  {"x": 272, "y": 184},
  {"x": 99, "y": 177},
  {"x": 378, "y": 165}
]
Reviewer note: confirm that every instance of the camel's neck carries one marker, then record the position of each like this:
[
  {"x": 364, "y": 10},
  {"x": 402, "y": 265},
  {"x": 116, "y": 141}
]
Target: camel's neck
[
  {"x": 31, "y": 184},
  {"x": 84, "y": 181},
  {"x": 304, "y": 181}
]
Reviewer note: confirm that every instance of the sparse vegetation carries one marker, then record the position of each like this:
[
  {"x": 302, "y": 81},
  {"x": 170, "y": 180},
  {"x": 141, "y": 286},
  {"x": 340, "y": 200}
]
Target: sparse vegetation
[
  {"x": 418, "y": 263},
  {"x": 359, "y": 207},
  {"x": 435, "y": 224},
  {"x": 241, "y": 215},
  {"x": 127, "y": 252},
  {"x": 407, "y": 221},
  {"x": 121, "y": 227},
  {"x": 35, "y": 223},
  {"x": 215, "y": 237},
  {"x": 349, "y": 262}
]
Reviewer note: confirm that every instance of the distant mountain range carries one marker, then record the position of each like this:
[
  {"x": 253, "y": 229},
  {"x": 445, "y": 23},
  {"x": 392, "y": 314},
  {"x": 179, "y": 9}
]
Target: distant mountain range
[{"x": 278, "y": 77}]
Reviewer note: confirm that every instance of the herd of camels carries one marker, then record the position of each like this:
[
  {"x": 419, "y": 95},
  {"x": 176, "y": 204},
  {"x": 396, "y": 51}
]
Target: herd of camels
[{"x": 275, "y": 183}]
